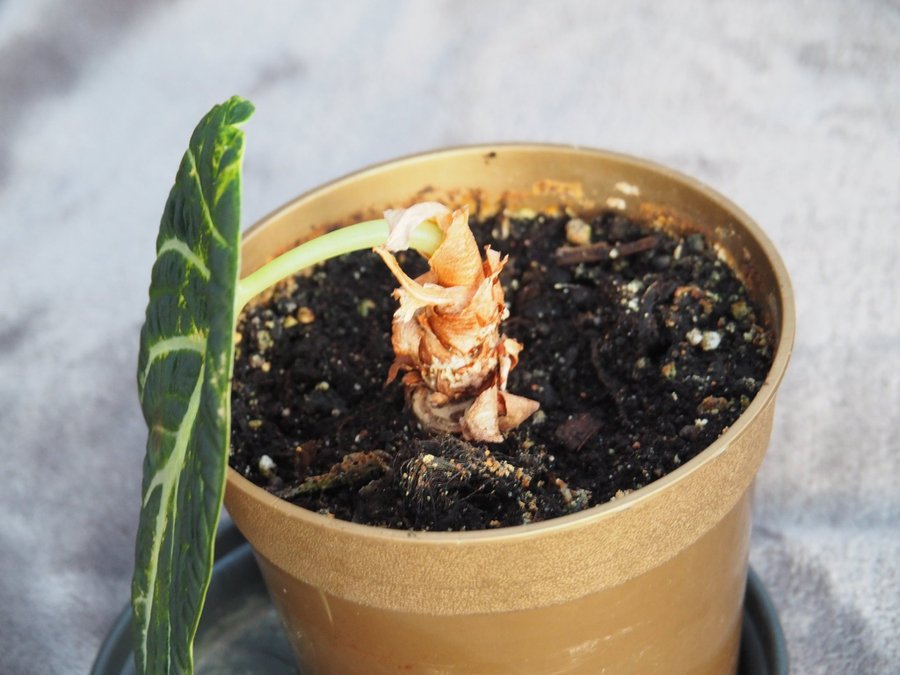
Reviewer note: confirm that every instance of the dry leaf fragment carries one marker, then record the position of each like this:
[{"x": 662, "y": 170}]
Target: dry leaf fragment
[
  {"x": 402, "y": 222},
  {"x": 446, "y": 332}
]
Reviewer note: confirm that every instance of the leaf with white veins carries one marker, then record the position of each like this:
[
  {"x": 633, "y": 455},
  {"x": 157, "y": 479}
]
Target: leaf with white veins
[{"x": 184, "y": 382}]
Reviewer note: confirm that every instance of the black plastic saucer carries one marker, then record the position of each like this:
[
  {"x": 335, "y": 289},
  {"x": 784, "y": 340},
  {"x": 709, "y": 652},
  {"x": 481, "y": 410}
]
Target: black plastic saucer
[{"x": 240, "y": 632}]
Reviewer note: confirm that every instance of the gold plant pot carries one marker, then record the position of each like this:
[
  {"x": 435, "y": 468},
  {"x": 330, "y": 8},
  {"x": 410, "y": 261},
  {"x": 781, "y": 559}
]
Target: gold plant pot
[{"x": 652, "y": 582}]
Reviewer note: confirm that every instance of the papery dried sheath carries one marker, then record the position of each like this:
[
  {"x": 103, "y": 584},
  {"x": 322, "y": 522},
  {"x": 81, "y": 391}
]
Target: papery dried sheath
[{"x": 446, "y": 332}]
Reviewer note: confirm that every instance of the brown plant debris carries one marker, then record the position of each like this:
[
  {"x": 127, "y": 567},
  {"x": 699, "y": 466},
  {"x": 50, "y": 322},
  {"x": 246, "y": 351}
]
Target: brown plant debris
[
  {"x": 356, "y": 468},
  {"x": 575, "y": 255},
  {"x": 578, "y": 430},
  {"x": 446, "y": 332}
]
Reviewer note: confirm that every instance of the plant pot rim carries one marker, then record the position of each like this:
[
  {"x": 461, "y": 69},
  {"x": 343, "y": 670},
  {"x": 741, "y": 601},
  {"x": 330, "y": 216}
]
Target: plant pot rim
[{"x": 785, "y": 331}]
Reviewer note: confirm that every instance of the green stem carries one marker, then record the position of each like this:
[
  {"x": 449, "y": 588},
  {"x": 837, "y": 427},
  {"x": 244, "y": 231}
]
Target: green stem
[{"x": 425, "y": 239}]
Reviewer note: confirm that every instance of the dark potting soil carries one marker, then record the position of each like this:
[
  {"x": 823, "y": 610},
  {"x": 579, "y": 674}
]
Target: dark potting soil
[{"x": 640, "y": 347}]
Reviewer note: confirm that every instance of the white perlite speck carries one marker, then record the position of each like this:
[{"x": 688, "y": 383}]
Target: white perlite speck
[
  {"x": 634, "y": 286},
  {"x": 711, "y": 340},
  {"x": 266, "y": 466},
  {"x": 708, "y": 340}
]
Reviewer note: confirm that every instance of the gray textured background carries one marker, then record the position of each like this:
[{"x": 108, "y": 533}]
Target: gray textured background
[{"x": 791, "y": 109}]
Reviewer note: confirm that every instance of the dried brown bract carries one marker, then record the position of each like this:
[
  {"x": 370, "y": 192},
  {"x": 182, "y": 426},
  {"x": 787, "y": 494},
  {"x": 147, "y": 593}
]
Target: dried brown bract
[{"x": 446, "y": 332}]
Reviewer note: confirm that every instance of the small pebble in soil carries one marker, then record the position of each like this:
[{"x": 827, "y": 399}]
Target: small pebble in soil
[{"x": 578, "y": 232}]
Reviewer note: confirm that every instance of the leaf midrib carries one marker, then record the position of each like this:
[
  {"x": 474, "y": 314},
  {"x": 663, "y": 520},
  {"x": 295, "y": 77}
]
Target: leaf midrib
[{"x": 167, "y": 478}]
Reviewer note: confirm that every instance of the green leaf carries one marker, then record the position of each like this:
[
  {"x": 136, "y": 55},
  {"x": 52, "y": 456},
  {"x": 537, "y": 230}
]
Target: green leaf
[{"x": 184, "y": 382}]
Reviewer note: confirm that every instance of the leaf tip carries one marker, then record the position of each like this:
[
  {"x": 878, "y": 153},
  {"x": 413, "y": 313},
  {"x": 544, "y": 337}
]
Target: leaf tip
[{"x": 238, "y": 110}]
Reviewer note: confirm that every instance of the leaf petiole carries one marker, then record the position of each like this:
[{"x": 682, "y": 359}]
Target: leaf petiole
[{"x": 369, "y": 234}]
